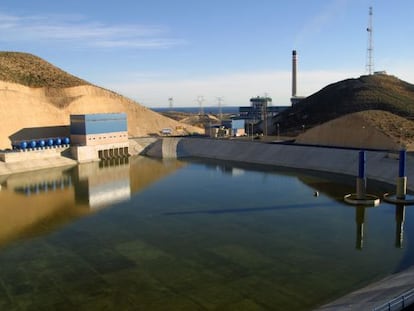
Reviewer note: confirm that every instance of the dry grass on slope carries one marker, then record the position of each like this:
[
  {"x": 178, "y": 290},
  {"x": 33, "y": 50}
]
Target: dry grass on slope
[
  {"x": 394, "y": 126},
  {"x": 32, "y": 71}
]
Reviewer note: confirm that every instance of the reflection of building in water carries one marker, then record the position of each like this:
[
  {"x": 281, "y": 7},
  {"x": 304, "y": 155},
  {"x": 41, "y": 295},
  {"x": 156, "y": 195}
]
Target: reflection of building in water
[
  {"x": 228, "y": 169},
  {"x": 399, "y": 220},
  {"x": 102, "y": 183}
]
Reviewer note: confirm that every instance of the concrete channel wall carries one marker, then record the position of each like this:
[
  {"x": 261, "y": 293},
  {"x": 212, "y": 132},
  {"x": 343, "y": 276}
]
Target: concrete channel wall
[{"x": 380, "y": 165}]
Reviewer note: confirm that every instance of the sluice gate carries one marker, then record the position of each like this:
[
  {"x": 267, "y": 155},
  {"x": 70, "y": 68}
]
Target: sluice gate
[{"x": 113, "y": 153}]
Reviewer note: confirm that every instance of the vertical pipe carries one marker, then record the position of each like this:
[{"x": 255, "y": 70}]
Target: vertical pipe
[
  {"x": 361, "y": 181},
  {"x": 294, "y": 61},
  {"x": 401, "y": 170},
  {"x": 361, "y": 164},
  {"x": 402, "y": 179}
]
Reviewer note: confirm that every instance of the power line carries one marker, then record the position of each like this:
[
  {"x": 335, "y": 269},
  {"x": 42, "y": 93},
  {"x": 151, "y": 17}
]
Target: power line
[
  {"x": 219, "y": 100},
  {"x": 200, "y": 100}
]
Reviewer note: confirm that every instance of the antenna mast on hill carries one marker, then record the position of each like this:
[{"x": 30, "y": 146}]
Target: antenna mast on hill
[{"x": 370, "y": 48}]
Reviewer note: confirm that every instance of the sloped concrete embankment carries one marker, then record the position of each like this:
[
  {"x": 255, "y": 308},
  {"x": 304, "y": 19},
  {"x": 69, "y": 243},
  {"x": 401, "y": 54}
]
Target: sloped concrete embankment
[
  {"x": 165, "y": 148},
  {"x": 381, "y": 165}
]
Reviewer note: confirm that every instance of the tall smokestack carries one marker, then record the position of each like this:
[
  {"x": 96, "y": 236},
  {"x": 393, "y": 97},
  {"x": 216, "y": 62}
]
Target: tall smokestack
[{"x": 294, "y": 63}]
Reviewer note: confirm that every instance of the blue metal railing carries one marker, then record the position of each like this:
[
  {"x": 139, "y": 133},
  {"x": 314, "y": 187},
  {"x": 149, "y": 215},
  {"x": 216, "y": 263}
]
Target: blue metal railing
[{"x": 398, "y": 303}]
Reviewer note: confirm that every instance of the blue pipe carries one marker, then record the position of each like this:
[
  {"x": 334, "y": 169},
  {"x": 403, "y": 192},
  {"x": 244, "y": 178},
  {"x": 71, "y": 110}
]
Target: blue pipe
[
  {"x": 361, "y": 164},
  {"x": 401, "y": 169}
]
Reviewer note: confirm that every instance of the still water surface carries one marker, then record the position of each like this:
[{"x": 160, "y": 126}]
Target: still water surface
[{"x": 172, "y": 235}]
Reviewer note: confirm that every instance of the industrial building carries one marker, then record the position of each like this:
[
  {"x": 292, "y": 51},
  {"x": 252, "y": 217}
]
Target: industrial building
[
  {"x": 236, "y": 126},
  {"x": 93, "y": 137},
  {"x": 99, "y": 136},
  {"x": 260, "y": 108},
  {"x": 227, "y": 128}
]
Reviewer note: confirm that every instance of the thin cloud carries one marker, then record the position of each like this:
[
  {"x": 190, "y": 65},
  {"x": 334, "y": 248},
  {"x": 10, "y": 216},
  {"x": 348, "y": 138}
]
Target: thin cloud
[
  {"x": 320, "y": 21},
  {"x": 79, "y": 32}
]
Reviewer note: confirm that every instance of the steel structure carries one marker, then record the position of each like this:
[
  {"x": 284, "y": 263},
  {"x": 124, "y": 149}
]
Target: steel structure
[{"x": 370, "y": 48}]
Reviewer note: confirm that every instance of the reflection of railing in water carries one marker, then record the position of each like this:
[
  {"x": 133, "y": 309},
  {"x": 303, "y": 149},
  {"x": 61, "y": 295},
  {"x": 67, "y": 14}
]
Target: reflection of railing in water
[{"x": 45, "y": 186}]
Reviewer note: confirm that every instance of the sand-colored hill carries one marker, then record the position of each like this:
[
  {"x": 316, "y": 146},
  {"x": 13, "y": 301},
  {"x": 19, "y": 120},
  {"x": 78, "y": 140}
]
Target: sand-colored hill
[
  {"x": 374, "y": 129},
  {"x": 23, "y": 107},
  {"x": 37, "y": 99}
]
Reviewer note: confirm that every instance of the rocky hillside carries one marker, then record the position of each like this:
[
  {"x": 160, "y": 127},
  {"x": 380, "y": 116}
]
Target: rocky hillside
[
  {"x": 37, "y": 98},
  {"x": 374, "y": 92}
]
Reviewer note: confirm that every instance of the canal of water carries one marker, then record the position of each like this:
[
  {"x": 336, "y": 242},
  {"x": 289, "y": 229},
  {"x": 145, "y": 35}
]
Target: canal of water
[{"x": 191, "y": 235}]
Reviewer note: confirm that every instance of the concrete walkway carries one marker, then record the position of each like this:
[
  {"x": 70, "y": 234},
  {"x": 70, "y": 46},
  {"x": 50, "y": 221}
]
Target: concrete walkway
[
  {"x": 137, "y": 145},
  {"x": 375, "y": 294},
  {"x": 38, "y": 164}
]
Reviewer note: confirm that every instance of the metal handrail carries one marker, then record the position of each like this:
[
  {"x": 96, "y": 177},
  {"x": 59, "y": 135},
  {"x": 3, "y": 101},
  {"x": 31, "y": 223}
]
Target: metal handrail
[{"x": 398, "y": 303}]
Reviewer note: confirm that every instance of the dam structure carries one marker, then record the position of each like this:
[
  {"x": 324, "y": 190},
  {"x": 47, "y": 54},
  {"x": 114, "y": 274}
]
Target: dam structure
[{"x": 99, "y": 136}]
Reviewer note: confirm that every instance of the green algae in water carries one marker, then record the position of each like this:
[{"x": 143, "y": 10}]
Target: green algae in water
[{"x": 194, "y": 237}]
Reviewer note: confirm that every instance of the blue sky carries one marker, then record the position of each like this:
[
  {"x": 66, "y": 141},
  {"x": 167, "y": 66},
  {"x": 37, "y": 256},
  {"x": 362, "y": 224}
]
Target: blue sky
[{"x": 150, "y": 50}]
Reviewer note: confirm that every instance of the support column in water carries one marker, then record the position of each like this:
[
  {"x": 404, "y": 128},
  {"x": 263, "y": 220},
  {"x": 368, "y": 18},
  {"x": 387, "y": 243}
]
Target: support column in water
[
  {"x": 361, "y": 182},
  {"x": 402, "y": 179}
]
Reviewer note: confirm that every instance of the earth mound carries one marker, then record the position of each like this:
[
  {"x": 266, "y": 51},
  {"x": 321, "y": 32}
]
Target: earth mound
[
  {"x": 372, "y": 92},
  {"x": 374, "y": 129}
]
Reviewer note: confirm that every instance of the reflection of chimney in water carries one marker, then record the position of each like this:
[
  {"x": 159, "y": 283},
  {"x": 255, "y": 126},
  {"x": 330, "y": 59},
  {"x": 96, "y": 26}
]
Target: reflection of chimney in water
[
  {"x": 399, "y": 220},
  {"x": 360, "y": 219},
  {"x": 294, "y": 65}
]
